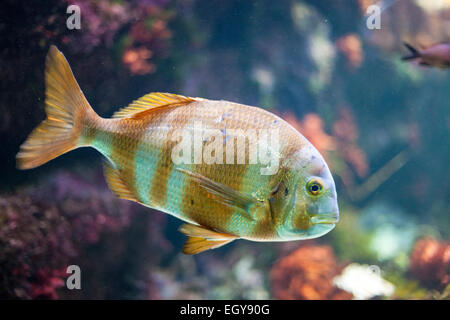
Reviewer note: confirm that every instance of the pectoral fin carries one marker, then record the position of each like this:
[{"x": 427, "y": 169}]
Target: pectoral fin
[
  {"x": 225, "y": 194},
  {"x": 201, "y": 239}
]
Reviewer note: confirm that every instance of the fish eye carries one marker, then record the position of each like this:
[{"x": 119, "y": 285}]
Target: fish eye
[{"x": 314, "y": 187}]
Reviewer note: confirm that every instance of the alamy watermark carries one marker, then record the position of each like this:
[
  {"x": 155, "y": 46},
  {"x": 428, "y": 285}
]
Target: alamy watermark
[
  {"x": 198, "y": 144},
  {"x": 74, "y": 280},
  {"x": 74, "y": 20},
  {"x": 373, "y": 14},
  {"x": 373, "y": 20}
]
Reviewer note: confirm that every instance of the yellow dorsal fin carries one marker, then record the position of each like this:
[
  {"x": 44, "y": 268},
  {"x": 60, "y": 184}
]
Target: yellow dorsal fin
[
  {"x": 148, "y": 103},
  {"x": 116, "y": 183},
  {"x": 201, "y": 239}
]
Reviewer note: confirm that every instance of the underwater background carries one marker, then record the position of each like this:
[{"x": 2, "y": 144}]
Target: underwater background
[{"x": 381, "y": 123}]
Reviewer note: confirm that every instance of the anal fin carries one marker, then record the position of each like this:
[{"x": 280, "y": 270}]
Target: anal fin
[
  {"x": 201, "y": 239},
  {"x": 116, "y": 183}
]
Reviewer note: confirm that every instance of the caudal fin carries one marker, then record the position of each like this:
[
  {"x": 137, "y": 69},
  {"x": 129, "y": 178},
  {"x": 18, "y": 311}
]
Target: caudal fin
[
  {"x": 67, "y": 112},
  {"x": 414, "y": 52}
]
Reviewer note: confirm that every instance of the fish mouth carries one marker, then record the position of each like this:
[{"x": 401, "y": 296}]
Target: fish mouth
[{"x": 327, "y": 218}]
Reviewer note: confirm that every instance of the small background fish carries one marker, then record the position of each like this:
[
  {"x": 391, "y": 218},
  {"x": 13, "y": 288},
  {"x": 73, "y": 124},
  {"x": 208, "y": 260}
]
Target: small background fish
[{"x": 437, "y": 55}]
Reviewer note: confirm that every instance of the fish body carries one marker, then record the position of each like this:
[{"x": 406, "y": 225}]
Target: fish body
[
  {"x": 434, "y": 56},
  {"x": 217, "y": 190}
]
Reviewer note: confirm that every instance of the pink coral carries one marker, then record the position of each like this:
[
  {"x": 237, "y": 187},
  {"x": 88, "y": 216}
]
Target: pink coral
[{"x": 41, "y": 230}]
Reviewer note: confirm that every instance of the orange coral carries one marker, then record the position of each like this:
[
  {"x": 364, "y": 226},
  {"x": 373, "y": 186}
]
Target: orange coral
[
  {"x": 350, "y": 46},
  {"x": 307, "y": 274},
  {"x": 311, "y": 126},
  {"x": 346, "y": 134},
  {"x": 136, "y": 59},
  {"x": 430, "y": 262},
  {"x": 343, "y": 140}
]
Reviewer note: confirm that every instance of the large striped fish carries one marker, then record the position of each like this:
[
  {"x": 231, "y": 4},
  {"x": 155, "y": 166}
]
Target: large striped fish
[{"x": 218, "y": 200}]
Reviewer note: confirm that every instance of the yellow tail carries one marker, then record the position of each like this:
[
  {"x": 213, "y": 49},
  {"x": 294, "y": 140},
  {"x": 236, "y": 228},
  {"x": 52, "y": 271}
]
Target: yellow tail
[{"x": 67, "y": 113}]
